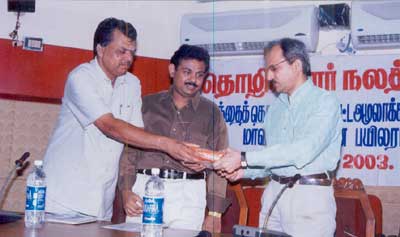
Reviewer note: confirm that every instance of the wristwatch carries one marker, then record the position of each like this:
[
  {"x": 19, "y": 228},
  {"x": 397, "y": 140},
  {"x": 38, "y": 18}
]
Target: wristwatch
[
  {"x": 243, "y": 161},
  {"x": 214, "y": 214}
]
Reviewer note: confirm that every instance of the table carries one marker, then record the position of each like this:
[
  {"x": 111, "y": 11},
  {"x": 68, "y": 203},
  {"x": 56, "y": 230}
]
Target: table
[{"x": 17, "y": 229}]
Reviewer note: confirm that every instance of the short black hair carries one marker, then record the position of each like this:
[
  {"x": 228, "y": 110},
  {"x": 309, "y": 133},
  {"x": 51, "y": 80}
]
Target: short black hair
[
  {"x": 105, "y": 29},
  {"x": 292, "y": 49},
  {"x": 191, "y": 52}
]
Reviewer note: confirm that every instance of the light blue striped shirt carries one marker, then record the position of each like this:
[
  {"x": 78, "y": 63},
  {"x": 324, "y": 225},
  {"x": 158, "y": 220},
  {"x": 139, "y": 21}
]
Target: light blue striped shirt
[{"x": 303, "y": 136}]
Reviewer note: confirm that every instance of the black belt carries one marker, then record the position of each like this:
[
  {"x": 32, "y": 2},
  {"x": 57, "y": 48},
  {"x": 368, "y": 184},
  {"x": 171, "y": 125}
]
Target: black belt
[
  {"x": 174, "y": 174},
  {"x": 321, "y": 179}
]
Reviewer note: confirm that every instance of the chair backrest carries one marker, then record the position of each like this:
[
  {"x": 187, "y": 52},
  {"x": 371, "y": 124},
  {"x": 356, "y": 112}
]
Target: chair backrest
[
  {"x": 237, "y": 212},
  {"x": 376, "y": 206},
  {"x": 253, "y": 197},
  {"x": 354, "y": 216}
]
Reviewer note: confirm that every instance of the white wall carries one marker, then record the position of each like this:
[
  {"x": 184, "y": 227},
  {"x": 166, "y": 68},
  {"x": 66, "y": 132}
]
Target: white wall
[{"x": 72, "y": 23}]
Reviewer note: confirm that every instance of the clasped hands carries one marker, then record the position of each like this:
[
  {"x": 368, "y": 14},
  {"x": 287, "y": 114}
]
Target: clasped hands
[{"x": 226, "y": 162}]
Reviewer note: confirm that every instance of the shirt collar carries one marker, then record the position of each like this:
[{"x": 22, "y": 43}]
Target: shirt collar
[
  {"x": 297, "y": 95},
  {"x": 119, "y": 80},
  {"x": 193, "y": 102}
]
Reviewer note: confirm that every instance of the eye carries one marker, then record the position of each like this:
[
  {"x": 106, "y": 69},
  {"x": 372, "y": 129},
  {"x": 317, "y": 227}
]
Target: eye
[
  {"x": 200, "y": 74},
  {"x": 120, "y": 51},
  {"x": 186, "y": 72}
]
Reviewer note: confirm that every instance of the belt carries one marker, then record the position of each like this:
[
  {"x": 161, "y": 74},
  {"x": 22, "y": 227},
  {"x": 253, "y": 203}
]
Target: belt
[
  {"x": 174, "y": 174},
  {"x": 321, "y": 179}
]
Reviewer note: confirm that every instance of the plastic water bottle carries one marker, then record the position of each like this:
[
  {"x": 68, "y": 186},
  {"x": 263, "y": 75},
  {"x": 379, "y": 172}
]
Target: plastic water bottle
[
  {"x": 35, "y": 196},
  {"x": 153, "y": 206}
]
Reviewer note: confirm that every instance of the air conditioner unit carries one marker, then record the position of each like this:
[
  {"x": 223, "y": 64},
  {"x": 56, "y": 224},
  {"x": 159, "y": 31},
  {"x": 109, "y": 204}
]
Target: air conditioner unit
[
  {"x": 248, "y": 31},
  {"x": 375, "y": 24}
]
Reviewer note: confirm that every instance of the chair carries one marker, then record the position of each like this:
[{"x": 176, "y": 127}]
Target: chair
[
  {"x": 354, "y": 215},
  {"x": 237, "y": 212},
  {"x": 253, "y": 197},
  {"x": 376, "y": 206}
]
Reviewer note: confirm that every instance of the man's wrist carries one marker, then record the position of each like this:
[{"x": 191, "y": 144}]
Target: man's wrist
[
  {"x": 215, "y": 214},
  {"x": 243, "y": 160}
]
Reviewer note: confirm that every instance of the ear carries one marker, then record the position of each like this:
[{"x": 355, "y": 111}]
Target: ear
[
  {"x": 298, "y": 66},
  {"x": 100, "y": 50},
  {"x": 171, "y": 69}
]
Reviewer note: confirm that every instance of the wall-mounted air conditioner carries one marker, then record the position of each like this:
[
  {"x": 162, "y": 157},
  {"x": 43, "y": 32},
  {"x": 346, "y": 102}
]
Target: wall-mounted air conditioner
[
  {"x": 247, "y": 32},
  {"x": 375, "y": 24}
]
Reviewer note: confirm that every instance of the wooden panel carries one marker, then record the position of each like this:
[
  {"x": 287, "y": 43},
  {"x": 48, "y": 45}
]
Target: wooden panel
[
  {"x": 40, "y": 76},
  {"x": 237, "y": 212},
  {"x": 354, "y": 214},
  {"x": 253, "y": 197}
]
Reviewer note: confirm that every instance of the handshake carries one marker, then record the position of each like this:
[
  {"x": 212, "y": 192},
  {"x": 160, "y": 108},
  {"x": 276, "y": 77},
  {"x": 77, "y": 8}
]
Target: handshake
[{"x": 226, "y": 162}]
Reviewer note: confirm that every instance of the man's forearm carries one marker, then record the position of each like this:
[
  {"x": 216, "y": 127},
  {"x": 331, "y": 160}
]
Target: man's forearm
[
  {"x": 126, "y": 182},
  {"x": 130, "y": 134},
  {"x": 216, "y": 193}
]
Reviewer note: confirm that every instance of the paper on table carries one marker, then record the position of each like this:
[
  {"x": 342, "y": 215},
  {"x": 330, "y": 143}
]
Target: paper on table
[
  {"x": 72, "y": 219},
  {"x": 137, "y": 227},
  {"x": 130, "y": 227}
]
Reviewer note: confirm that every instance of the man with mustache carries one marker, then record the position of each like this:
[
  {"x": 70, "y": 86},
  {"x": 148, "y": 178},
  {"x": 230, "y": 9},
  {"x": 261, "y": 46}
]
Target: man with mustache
[
  {"x": 183, "y": 114},
  {"x": 303, "y": 136},
  {"x": 100, "y": 112}
]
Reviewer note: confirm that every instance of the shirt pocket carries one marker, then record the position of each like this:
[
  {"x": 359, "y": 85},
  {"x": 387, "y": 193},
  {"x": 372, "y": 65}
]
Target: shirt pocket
[{"x": 198, "y": 139}]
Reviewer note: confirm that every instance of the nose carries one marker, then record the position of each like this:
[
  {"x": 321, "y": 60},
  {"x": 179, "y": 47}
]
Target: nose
[
  {"x": 192, "y": 77},
  {"x": 269, "y": 75},
  {"x": 128, "y": 56}
]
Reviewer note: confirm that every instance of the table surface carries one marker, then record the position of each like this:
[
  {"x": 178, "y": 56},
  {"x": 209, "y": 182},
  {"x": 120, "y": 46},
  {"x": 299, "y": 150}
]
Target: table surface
[{"x": 17, "y": 229}]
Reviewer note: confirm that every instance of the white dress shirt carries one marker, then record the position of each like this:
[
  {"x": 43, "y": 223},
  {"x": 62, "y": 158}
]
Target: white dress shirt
[{"x": 81, "y": 163}]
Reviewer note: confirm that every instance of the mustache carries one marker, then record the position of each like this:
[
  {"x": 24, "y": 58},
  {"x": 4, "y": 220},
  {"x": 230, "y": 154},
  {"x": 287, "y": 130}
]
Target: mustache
[
  {"x": 128, "y": 63},
  {"x": 191, "y": 84}
]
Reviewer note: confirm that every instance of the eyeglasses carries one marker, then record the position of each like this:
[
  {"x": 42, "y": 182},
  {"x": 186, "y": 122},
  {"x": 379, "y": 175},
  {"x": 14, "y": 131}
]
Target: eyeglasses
[{"x": 274, "y": 67}]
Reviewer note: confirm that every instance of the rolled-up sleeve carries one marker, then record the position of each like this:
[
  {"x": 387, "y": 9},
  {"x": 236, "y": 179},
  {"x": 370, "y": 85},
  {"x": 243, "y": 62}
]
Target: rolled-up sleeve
[
  {"x": 127, "y": 168},
  {"x": 216, "y": 186}
]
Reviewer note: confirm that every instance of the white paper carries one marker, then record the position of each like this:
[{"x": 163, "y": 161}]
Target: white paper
[
  {"x": 72, "y": 219},
  {"x": 137, "y": 227},
  {"x": 130, "y": 227}
]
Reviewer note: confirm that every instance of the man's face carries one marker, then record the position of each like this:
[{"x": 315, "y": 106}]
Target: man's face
[
  {"x": 279, "y": 71},
  {"x": 116, "y": 58},
  {"x": 188, "y": 77}
]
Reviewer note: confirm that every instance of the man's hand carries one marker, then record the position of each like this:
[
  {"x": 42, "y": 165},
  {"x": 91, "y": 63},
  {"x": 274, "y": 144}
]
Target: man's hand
[
  {"x": 193, "y": 166},
  {"x": 234, "y": 176},
  {"x": 229, "y": 162},
  {"x": 181, "y": 151},
  {"x": 133, "y": 204},
  {"x": 212, "y": 224}
]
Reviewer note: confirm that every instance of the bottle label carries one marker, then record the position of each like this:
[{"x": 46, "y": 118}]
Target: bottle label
[
  {"x": 35, "y": 198},
  {"x": 153, "y": 210}
]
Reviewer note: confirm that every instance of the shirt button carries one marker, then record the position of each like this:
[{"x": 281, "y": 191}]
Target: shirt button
[
  {"x": 174, "y": 129},
  {"x": 167, "y": 161}
]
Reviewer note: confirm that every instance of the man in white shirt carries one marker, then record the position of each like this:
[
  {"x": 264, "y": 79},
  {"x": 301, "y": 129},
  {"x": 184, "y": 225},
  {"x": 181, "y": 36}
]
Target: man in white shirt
[{"x": 100, "y": 112}]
